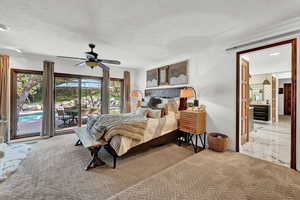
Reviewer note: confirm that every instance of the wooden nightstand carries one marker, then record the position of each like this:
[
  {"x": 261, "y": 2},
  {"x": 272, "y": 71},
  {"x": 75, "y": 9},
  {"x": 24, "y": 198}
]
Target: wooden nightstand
[{"x": 193, "y": 123}]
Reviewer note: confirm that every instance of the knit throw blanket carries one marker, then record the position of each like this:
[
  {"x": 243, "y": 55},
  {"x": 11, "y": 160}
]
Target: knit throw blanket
[{"x": 129, "y": 125}]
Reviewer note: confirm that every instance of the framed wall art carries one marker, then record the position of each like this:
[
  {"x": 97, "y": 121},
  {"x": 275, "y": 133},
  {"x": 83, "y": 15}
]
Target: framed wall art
[
  {"x": 152, "y": 78},
  {"x": 163, "y": 75},
  {"x": 178, "y": 74}
]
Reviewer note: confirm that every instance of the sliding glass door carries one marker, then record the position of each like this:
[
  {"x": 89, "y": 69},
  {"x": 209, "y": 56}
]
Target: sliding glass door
[
  {"x": 26, "y": 108},
  {"x": 76, "y": 98},
  {"x": 67, "y": 105}
]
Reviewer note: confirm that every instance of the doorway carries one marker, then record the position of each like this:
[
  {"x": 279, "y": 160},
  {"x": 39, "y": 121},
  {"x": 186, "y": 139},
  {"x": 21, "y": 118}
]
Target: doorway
[
  {"x": 261, "y": 97},
  {"x": 26, "y": 103}
]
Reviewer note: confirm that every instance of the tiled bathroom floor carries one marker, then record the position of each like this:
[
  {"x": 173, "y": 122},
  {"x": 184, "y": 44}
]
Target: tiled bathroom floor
[{"x": 270, "y": 142}]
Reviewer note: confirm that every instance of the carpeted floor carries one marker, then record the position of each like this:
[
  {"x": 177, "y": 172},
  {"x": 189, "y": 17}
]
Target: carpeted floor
[
  {"x": 54, "y": 170},
  {"x": 221, "y": 176}
]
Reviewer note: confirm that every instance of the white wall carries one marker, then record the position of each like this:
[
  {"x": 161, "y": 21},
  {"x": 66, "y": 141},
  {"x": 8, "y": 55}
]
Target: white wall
[
  {"x": 214, "y": 80},
  {"x": 213, "y": 73},
  {"x": 281, "y": 83}
]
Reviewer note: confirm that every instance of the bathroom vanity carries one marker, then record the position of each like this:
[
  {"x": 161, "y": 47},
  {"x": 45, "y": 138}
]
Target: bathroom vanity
[{"x": 261, "y": 112}]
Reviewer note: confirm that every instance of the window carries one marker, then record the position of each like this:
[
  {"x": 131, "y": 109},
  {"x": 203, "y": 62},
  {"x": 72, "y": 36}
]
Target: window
[{"x": 116, "y": 90}]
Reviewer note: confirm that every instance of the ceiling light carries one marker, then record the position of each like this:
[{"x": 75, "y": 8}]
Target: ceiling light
[
  {"x": 4, "y": 27},
  {"x": 18, "y": 50},
  {"x": 274, "y": 54}
]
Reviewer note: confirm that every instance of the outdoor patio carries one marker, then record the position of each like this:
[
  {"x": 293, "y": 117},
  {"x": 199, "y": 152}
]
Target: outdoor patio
[{"x": 29, "y": 120}]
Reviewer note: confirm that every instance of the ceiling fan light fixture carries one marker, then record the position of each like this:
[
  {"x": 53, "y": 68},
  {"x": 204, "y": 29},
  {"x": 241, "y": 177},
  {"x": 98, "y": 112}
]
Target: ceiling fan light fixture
[
  {"x": 91, "y": 64},
  {"x": 92, "y": 60}
]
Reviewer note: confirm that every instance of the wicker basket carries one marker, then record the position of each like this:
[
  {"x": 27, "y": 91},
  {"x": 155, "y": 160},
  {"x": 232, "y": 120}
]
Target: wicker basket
[{"x": 218, "y": 142}]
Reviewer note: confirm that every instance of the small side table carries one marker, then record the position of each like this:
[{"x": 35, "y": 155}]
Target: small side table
[
  {"x": 193, "y": 123},
  {"x": 202, "y": 138}
]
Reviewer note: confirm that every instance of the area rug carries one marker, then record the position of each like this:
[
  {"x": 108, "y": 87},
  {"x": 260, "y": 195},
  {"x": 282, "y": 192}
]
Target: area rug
[{"x": 11, "y": 157}]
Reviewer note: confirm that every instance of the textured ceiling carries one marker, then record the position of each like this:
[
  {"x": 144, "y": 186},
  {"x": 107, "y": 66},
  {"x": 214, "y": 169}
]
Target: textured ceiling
[{"x": 137, "y": 32}]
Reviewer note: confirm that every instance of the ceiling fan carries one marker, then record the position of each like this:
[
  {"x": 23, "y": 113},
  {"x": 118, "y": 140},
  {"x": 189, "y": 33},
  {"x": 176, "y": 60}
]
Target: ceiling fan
[{"x": 92, "y": 59}]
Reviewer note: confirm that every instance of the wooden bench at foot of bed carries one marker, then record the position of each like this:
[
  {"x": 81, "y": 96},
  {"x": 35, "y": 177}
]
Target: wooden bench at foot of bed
[
  {"x": 94, "y": 146},
  {"x": 91, "y": 144}
]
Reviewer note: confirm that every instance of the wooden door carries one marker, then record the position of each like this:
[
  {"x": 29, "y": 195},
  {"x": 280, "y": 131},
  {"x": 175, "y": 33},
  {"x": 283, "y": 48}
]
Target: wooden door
[
  {"x": 274, "y": 93},
  {"x": 245, "y": 102},
  {"x": 287, "y": 98}
]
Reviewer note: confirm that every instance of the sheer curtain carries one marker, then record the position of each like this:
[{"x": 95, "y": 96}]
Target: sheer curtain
[
  {"x": 48, "y": 127},
  {"x": 4, "y": 69}
]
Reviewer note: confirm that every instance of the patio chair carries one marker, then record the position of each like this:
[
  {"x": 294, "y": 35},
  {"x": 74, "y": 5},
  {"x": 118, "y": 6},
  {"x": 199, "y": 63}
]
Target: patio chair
[{"x": 62, "y": 116}]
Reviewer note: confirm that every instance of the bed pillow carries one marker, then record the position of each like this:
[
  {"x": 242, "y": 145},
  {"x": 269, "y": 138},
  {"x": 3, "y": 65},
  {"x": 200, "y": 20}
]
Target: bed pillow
[
  {"x": 144, "y": 103},
  {"x": 155, "y": 114},
  {"x": 153, "y": 102},
  {"x": 169, "y": 104},
  {"x": 142, "y": 111}
]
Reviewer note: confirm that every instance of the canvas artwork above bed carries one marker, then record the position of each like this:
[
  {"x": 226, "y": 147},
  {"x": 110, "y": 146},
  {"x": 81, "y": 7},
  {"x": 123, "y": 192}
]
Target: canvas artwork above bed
[{"x": 173, "y": 74}]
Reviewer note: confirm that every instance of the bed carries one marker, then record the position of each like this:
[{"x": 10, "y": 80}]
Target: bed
[{"x": 155, "y": 131}]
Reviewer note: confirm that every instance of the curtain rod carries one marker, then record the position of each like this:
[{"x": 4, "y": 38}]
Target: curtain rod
[{"x": 265, "y": 39}]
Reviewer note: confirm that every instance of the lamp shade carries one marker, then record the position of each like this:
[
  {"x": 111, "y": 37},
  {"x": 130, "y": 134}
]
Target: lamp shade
[
  {"x": 186, "y": 93},
  {"x": 134, "y": 94}
]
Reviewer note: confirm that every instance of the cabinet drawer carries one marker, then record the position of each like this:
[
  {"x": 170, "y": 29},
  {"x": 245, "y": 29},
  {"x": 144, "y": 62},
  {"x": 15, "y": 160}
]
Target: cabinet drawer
[{"x": 192, "y": 122}]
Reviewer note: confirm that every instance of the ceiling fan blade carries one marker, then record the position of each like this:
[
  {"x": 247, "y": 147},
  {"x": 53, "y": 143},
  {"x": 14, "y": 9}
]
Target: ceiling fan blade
[
  {"x": 80, "y": 63},
  {"x": 115, "y": 62},
  {"x": 66, "y": 57},
  {"x": 103, "y": 66}
]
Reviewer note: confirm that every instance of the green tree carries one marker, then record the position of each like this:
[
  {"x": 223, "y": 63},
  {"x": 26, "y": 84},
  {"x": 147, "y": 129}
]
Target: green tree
[{"x": 28, "y": 87}]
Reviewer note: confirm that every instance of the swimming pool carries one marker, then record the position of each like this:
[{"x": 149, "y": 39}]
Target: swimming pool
[{"x": 30, "y": 116}]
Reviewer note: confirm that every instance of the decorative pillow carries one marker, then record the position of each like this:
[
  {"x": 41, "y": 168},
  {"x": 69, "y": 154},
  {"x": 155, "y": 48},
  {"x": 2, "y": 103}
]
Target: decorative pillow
[
  {"x": 142, "y": 111},
  {"x": 154, "y": 114},
  {"x": 169, "y": 104},
  {"x": 164, "y": 111},
  {"x": 164, "y": 101},
  {"x": 153, "y": 102},
  {"x": 144, "y": 103}
]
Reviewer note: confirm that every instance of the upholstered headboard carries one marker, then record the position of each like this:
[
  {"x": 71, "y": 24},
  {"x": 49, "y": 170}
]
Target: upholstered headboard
[{"x": 164, "y": 92}]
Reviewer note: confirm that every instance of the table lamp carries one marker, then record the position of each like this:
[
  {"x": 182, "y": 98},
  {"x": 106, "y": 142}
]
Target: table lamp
[
  {"x": 188, "y": 93},
  {"x": 136, "y": 93}
]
